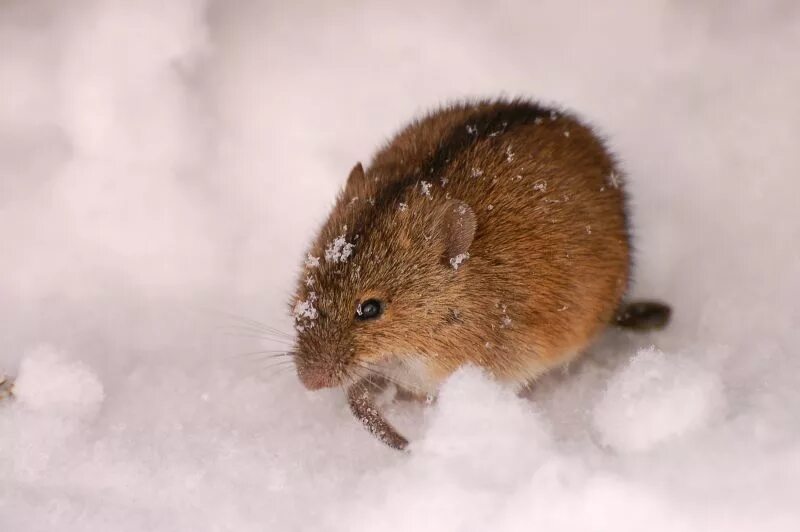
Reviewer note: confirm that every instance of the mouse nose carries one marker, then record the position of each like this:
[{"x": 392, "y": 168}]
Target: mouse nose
[{"x": 314, "y": 379}]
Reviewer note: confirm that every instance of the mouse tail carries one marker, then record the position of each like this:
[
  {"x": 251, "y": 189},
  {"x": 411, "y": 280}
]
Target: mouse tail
[{"x": 643, "y": 315}]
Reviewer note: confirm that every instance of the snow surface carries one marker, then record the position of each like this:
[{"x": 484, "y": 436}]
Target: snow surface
[{"x": 163, "y": 164}]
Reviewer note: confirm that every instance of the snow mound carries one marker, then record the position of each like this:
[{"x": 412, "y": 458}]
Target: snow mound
[
  {"x": 473, "y": 417},
  {"x": 49, "y": 382},
  {"x": 655, "y": 398}
]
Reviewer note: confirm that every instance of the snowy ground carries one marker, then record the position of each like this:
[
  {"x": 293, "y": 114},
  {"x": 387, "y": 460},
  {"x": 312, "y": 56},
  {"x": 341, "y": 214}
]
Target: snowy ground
[{"x": 164, "y": 162}]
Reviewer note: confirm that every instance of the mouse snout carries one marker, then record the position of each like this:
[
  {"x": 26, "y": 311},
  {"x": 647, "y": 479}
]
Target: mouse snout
[{"x": 314, "y": 378}]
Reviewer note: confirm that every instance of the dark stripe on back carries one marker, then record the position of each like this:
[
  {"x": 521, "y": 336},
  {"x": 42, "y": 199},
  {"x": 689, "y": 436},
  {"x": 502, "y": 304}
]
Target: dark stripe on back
[{"x": 496, "y": 119}]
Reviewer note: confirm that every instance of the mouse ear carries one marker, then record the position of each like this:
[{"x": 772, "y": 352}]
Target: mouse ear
[{"x": 457, "y": 227}]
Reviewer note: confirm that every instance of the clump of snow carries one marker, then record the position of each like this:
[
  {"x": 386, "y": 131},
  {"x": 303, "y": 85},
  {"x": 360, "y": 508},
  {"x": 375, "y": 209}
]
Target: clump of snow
[
  {"x": 452, "y": 434},
  {"x": 49, "y": 382},
  {"x": 425, "y": 189},
  {"x": 456, "y": 261},
  {"x": 305, "y": 310},
  {"x": 656, "y": 398},
  {"x": 339, "y": 250},
  {"x": 540, "y": 186}
]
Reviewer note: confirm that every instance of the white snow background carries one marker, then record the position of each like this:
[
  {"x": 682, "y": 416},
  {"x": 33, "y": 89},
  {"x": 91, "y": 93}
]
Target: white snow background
[{"x": 164, "y": 162}]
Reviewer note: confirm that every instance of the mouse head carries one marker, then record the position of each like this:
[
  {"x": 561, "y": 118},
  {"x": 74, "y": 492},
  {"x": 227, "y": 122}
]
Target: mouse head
[{"x": 380, "y": 280}]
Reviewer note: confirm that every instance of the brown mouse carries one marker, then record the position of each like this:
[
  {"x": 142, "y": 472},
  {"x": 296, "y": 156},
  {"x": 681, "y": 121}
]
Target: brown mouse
[{"x": 491, "y": 233}]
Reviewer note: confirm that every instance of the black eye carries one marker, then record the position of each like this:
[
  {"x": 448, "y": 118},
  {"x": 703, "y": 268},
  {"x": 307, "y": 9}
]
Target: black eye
[{"x": 369, "y": 309}]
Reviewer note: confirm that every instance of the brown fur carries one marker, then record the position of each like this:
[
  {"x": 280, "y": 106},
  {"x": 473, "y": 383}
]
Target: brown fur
[{"x": 547, "y": 267}]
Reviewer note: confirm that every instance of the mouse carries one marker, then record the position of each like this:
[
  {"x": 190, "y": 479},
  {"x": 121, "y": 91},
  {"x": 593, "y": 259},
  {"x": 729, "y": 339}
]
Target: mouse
[{"x": 491, "y": 233}]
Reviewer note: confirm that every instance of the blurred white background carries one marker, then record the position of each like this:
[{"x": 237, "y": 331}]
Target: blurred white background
[{"x": 161, "y": 162}]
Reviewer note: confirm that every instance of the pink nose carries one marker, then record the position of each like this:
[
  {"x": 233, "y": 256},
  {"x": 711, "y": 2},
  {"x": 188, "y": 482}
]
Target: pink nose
[{"x": 314, "y": 379}]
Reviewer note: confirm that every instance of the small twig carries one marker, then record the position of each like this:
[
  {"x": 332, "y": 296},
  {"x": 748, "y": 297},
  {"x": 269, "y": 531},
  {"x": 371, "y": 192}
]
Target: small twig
[{"x": 6, "y": 387}]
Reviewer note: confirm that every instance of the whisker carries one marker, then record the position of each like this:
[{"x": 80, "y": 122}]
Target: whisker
[
  {"x": 258, "y": 337},
  {"x": 275, "y": 374},
  {"x": 255, "y": 329},
  {"x": 256, "y": 325},
  {"x": 281, "y": 364},
  {"x": 260, "y": 326},
  {"x": 375, "y": 369},
  {"x": 262, "y": 355}
]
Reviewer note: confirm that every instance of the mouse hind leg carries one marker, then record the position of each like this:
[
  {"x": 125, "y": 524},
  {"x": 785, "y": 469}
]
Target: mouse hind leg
[{"x": 643, "y": 315}]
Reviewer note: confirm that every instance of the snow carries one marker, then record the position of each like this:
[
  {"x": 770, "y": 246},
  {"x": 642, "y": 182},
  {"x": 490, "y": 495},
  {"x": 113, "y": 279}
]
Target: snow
[
  {"x": 164, "y": 164},
  {"x": 305, "y": 310},
  {"x": 339, "y": 250},
  {"x": 47, "y": 382},
  {"x": 456, "y": 261},
  {"x": 425, "y": 189},
  {"x": 655, "y": 398}
]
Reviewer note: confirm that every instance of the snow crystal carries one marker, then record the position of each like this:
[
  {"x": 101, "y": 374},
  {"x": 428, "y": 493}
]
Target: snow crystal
[
  {"x": 443, "y": 181},
  {"x": 403, "y": 207},
  {"x": 305, "y": 310},
  {"x": 311, "y": 261},
  {"x": 489, "y": 207},
  {"x": 509, "y": 154},
  {"x": 471, "y": 129},
  {"x": 540, "y": 186},
  {"x": 456, "y": 261},
  {"x": 614, "y": 179},
  {"x": 425, "y": 189},
  {"x": 476, "y": 172},
  {"x": 339, "y": 250}
]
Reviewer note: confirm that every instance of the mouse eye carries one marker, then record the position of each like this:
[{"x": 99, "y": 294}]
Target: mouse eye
[{"x": 369, "y": 309}]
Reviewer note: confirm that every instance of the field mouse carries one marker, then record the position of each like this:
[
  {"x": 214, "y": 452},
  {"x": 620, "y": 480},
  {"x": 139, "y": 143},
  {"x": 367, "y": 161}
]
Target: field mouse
[{"x": 491, "y": 233}]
